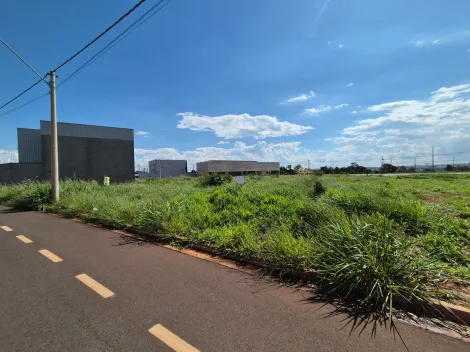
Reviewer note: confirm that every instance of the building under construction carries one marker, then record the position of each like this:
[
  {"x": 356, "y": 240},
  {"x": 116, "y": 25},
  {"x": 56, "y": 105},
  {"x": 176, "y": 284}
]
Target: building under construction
[
  {"x": 85, "y": 152},
  {"x": 238, "y": 167}
]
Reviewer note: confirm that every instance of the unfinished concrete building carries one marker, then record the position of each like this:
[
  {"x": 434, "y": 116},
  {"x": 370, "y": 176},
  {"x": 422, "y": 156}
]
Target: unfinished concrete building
[
  {"x": 167, "y": 168},
  {"x": 238, "y": 167},
  {"x": 85, "y": 152}
]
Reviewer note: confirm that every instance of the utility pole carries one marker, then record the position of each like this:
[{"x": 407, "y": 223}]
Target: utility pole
[
  {"x": 453, "y": 161},
  {"x": 54, "y": 144},
  {"x": 415, "y": 163},
  {"x": 433, "y": 158},
  {"x": 308, "y": 170},
  {"x": 391, "y": 160}
]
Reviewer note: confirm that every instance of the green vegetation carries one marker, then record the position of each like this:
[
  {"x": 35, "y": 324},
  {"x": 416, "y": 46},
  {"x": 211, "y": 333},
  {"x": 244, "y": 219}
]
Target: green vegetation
[{"x": 369, "y": 238}]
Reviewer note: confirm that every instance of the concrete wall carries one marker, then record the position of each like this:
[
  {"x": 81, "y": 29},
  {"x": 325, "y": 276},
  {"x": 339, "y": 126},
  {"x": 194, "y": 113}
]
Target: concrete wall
[
  {"x": 202, "y": 166},
  {"x": 91, "y": 158},
  {"x": 15, "y": 173},
  {"x": 29, "y": 145},
  {"x": 169, "y": 168}
]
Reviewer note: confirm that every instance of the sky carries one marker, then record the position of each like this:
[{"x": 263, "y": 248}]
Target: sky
[{"x": 330, "y": 81}]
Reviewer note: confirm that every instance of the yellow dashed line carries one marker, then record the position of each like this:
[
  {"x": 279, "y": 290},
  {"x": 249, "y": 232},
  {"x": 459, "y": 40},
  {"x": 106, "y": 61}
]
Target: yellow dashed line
[
  {"x": 171, "y": 340},
  {"x": 6, "y": 228},
  {"x": 51, "y": 256},
  {"x": 24, "y": 239},
  {"x": 95, "y": 286}
]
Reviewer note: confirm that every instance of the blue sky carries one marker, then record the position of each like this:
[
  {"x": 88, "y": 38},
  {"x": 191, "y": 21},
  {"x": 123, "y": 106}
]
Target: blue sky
[{"x": 328, "y": 81}]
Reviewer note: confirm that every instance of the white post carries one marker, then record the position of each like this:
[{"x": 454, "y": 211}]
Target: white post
[{"x": 54, "y": 146}]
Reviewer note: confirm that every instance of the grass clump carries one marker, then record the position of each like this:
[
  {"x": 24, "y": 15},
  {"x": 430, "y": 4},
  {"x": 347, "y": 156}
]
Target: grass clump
[{"x": 371, "y": 259}]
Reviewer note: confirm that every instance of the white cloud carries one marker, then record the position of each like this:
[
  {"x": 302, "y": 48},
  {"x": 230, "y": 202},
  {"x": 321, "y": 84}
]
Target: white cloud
[
  {"x": 8, "y": 156},
  {"x": 421, "y": 43},
  {"x": 261, "y": 151},
  {"x": 445, "y": 39},
  {"x": 350, "y": 84},
  {"x": 301, "y": 97},
  {"x": 144, "y": 134},
  {"x": 340, "y": 46},
  {"x": 354, "y": 112},
  {"x": 323, "y": 108},
  {"x": 223, "y": 142},
  {"x": 411, "y": 127},
  {"x": 318, "y": 110},
  {"x": 240, "y": 126}
]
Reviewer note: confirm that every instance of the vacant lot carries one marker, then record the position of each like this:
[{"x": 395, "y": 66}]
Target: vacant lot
[{"x": 370, "y": 238}]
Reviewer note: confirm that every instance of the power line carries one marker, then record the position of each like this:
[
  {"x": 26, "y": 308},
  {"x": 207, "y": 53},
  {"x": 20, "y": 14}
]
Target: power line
[
  {"x": 19, "y": 57},
  {"x": 100, "y": 35},
  {"x": 23, "y": 105},
  {"x": 116, "y": 40},
  {"x": 103, "y": 51},
  {"x": 19, "y": 95}
]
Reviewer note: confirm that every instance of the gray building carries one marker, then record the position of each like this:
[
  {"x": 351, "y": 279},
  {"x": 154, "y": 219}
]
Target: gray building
[
  {"x": 85, "y": 152},
  {"x": 238, "y": 167},
  {"x": 168, "y": 168}
]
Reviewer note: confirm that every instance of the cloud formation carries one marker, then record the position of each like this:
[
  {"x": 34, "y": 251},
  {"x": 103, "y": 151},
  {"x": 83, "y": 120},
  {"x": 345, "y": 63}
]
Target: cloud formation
[
  {"x": 301, "y": 97},
  {"x": 261, "y": 151},
  {"x": 144, "y": 134},
  {"x": 241, "y": 126},
  {"x": 350, "y": 84},
  {"x": 8, "y": 156},
  {"x": 323, "y": 108},
  {"x": 446, "y": 108}
]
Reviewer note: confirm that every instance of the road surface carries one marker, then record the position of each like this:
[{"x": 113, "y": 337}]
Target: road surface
[{"x": 67, "y": 286}]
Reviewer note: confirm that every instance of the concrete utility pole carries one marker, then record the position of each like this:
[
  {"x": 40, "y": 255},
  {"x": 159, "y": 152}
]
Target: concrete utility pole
[
  {"x": 54, "y": 144},
  {"x": 415, "y": 164}
]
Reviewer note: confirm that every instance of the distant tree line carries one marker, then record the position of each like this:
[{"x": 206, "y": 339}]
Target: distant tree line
[
  {"x": 354, "y": 168},
  {"x": 458, "y": 168}
]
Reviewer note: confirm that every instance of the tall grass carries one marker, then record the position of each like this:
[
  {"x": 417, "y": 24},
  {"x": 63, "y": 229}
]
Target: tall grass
[{"x": 369, "y": 238}]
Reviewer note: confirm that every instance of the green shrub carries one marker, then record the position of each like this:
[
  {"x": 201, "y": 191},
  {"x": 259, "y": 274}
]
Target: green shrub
[
  {"x": 31, "y": 196},
  {"x": 370, "y": 259},
  {"x": 214, "y": 179}
]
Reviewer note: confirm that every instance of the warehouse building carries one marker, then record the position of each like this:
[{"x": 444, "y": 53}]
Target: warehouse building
[
  {"x": 238, "y": 167},
  {"x": 85, "y": 152},
  {"x": 168, "y": 168}
]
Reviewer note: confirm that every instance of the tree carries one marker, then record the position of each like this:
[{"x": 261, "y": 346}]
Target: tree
[
  {"x": 297, "y": 168},
  {"x": 449, "y": 168},
  {"x": 388, "y": 168}
]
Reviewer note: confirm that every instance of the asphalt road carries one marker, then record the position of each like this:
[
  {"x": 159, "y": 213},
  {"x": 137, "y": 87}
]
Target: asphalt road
[{"x": 185, "y": 302}]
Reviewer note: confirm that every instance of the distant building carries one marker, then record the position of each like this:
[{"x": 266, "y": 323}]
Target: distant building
[
  {"x": 168, "y": 168},
  {"x": 85, "y": 152},
  {"x": 142, "y": 175},
  {"x": 238, "y": 167}
]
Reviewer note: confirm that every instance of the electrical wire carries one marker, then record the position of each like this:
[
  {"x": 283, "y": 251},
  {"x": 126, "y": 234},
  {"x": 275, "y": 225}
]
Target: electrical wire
[
  {"x": 100, "y": 35},
  {"x": 103, "y": 51},
  {"x": 19, "y": 95},
  {"x": 116, "y": 40},
  {"x": 23, "y": 105}
]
